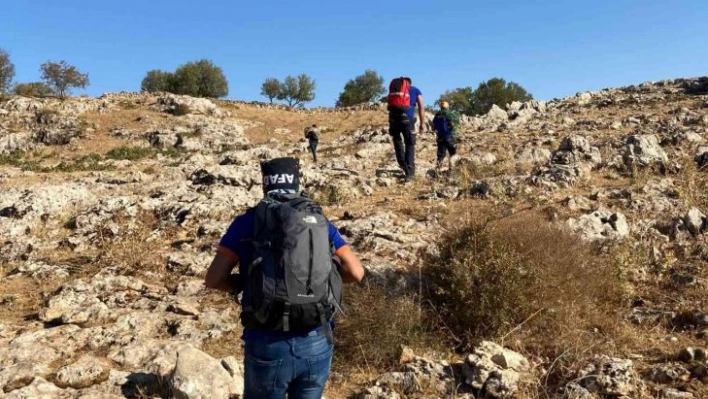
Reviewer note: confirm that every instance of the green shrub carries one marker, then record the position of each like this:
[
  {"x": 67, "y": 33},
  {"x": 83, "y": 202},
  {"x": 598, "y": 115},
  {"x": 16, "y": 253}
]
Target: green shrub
[
  {"x": 12, "y": 158},
  {"x": 181, "y": 110},
  {"x": 331, "y": 194},
  {"x": 90, "y": 162},
  {"x": 130, "y": 153}
]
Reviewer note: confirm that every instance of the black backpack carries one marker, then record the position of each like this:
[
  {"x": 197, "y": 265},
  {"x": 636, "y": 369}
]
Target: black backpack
[{"x": 292, "y": 285}]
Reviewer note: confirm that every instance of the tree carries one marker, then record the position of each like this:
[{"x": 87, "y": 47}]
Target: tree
[
  {"x": 33, "y": 89},
  {"x": 361, "y": 89},
  {"x": 61, "y": 77},
  {"x": 271, "y": 88},
  {"x": 460, "y": 99},
  {"x": 494, "y": 91},
  {"x": 157, "y": 80},
  {"x": 7, "y": 71},
  {"x": 297, "y": 91},
  {"x": 497, "y": 91},
  {"x": 200, "y": 79}
]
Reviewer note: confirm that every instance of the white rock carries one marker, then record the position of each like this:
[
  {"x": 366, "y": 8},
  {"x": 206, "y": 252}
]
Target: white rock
[
  {"x": 84, "y": 373},
  {"x": 200, "y": 376}
]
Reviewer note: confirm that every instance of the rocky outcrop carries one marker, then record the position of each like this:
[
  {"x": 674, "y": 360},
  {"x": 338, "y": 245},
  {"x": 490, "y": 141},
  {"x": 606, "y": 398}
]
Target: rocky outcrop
[
  {"x": 600, "y": 224},
  {"x": 490, "y": 370}
]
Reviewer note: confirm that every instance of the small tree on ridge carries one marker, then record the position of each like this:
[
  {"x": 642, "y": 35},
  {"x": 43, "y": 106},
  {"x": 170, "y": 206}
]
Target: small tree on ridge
[{"x": 61, "y": 77}]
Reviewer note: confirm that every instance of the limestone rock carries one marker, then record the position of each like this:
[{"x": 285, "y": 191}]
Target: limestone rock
[
  {"x": 610, "y": 376},
  {"x": 495, "y": 369},
  {"x": 40, "y": 389},
  {"x": 695, "y": 221},
  {"x": 643, "y": 150},
  {"x": 200, "y": 376},
  {"x": 86, "y": 372}
]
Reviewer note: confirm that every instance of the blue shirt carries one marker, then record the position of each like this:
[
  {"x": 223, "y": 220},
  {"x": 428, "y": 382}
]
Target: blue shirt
[
  {"x": 414, "y": 92},
  {"x": 238, "y": 241}
]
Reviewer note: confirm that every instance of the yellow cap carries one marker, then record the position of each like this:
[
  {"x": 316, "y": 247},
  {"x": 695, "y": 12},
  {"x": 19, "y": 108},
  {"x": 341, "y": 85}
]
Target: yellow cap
[{"x": 444, "y": 104}]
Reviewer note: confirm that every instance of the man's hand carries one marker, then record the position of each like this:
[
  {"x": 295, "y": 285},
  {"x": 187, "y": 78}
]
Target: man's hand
[{"x": 219, "y": 274}]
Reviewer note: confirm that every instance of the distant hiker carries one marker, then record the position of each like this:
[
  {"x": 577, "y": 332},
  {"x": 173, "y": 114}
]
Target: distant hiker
[
  {"x": 445, "y": 123},
  {"x": 313, "y": 135},
  {"x": 402, "y": 100},
  {"x": 291, "y": 262}
]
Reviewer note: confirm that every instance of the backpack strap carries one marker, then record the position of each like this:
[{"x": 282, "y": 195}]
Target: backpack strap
[
  {"x": 286, "y": 317},
  {"x": 325, "y": 324}
]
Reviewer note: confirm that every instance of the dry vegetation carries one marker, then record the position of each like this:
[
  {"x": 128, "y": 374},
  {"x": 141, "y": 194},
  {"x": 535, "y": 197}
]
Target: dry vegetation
[
  {"x": 499, "y": 270},
  {"x": 332, "y": 124}
]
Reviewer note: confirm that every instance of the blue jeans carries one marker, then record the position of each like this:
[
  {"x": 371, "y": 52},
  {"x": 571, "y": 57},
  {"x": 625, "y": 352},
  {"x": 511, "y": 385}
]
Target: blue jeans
[{"x": 298, "y": 366}]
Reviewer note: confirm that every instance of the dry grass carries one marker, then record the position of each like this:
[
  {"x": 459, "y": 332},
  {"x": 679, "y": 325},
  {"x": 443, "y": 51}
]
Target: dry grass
[
  {"x": 376, "y": 323},
  {"x": 22, "y": 297},
  {"x": 692, "y": 184},
  {"x": 334, "y": 124}
]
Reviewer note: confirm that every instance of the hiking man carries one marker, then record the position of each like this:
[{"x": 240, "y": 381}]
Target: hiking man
[
  {"x": 402, "y": 100},
  {"x": 313, "y": 135},
  {"x": 445, "y": 123},
  {"x": 292, "y": 262}
]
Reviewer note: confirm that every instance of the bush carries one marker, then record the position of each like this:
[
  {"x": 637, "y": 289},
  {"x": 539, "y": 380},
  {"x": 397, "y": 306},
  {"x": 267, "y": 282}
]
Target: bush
[
  {"x": 495, "y": 91},
  {"x": 199, "y": 79},
  {"x": 157, "y": 81},
  {"x": 130, "y": 153},
  {"x": 520, "y": 275},
  {"x": 375, "y": 324},
  {"x": 33, "y": 89},
  {"x": 331, "y": 194},
  {"x": 181, "y": 110}
]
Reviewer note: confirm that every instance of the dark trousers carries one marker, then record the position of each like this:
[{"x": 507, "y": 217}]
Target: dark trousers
[
  {"x": 313, "y": 148},
  {"x": 446, "y": 145},
  {"x": 401, "y": 131}
]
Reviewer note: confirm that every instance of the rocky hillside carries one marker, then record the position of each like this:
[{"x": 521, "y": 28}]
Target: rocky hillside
[{"x": 111, "y": 209}]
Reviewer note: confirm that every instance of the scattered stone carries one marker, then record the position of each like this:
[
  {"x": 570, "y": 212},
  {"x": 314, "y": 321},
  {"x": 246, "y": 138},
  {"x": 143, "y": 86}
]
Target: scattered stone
[
  {"x": 673, "y": 393},
  {"x": 495, "y": 370},
  {"x": 643, "y": 150},
  {"x": 599, "y": 225},
  {"x": 667, "y": 373},
  {"x": 200, "y": 376},
  {"x": 87, "y": 371},
  {"x": 610, "y": 376},
  {"x": 695, "y": 221}
]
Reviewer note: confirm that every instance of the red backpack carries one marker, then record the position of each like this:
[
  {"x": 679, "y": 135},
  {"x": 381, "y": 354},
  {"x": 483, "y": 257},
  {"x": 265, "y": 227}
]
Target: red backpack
[{"x": 399, "y": 97}]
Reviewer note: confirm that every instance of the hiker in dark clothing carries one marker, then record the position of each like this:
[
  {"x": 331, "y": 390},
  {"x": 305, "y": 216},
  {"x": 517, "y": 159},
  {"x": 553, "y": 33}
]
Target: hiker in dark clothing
[
  {"x": 445, "y": 123},
  {"x": 287, "y": 244},
  {"x": 313, "y": 135}
]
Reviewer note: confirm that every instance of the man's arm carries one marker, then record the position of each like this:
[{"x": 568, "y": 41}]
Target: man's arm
[
  {"x": 421, "y": 113},
  {"x": 351, "y": 269},
  {"x": 219, "y": 274}
]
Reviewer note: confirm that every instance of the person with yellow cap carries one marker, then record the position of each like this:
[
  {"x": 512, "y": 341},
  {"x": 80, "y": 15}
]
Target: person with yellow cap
[{"x": 445, "y": 123}]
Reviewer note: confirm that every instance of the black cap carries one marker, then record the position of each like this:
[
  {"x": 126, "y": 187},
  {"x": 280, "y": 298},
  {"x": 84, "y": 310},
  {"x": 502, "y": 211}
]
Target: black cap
[{"x": 281, "y": 173}]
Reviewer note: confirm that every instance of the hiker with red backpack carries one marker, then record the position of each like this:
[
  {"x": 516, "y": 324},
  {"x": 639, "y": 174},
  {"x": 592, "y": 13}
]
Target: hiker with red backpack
[
  {"x": 292, "y": 262},
  {"x": 402, "y": 100}
]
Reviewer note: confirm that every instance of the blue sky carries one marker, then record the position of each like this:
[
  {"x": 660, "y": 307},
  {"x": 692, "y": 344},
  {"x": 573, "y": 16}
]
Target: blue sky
[{"x": 552, "y": 48}]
